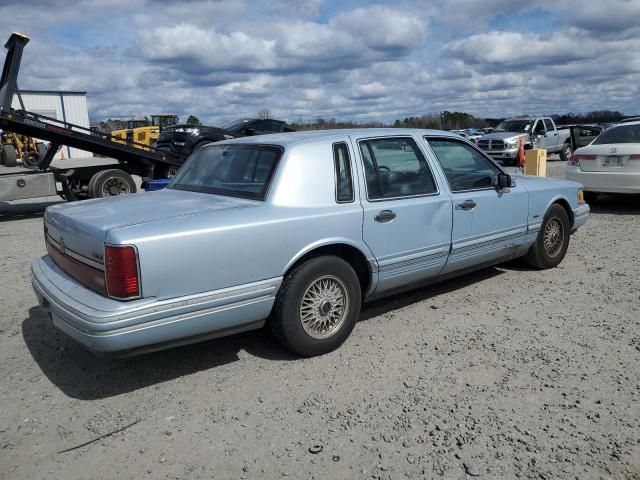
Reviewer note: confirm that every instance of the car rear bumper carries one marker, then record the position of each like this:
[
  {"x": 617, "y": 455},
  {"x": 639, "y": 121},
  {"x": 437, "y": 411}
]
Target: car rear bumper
[
  {"x": 106, "y": 326},
  {"x": 605, "y": 182}
]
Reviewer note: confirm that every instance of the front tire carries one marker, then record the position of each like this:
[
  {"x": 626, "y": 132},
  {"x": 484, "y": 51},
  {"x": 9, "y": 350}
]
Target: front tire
[
  {"x": 317, "y": 306},
  {"x": 9, "y": 156},
  {"x": 552, "y": 242}
]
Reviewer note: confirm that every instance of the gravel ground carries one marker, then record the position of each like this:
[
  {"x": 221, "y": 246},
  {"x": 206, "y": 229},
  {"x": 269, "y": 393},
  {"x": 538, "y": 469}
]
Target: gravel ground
[{"x": 504, "y": 373}]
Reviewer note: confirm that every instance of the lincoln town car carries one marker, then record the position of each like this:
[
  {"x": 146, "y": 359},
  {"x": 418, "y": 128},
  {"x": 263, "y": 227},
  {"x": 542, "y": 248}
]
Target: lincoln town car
[{"x": 295, "y": 231}]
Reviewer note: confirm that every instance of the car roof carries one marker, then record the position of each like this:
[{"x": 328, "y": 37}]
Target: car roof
[{"x": 288, "y": 139}]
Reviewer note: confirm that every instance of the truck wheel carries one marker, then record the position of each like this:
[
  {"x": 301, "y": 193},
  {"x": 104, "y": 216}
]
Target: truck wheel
[
  {"x": 552, "y": 242},
  {"x": 317, "y": 306},
  {"x": 112, "y": 182},
  {"x": 566, "y": 152},
  {"x": 9, "y": 156}
]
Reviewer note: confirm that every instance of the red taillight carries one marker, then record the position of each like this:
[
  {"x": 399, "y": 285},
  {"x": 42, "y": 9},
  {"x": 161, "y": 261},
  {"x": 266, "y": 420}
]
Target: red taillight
[
  {"x": 121, "y": 271},
  {"x": 575, "y": 159},
  {"x": 634, "y": 157}
]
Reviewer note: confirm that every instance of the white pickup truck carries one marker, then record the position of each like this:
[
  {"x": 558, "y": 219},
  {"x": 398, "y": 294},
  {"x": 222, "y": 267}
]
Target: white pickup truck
[{"x": 539, "y": 132}]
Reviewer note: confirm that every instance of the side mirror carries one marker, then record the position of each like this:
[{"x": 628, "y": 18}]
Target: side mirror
[{"x": 504, "y": 181}]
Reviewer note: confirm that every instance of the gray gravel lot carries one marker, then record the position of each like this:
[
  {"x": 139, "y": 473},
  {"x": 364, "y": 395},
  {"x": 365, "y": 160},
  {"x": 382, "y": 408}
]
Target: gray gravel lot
[{"x": 504, "y": 373}]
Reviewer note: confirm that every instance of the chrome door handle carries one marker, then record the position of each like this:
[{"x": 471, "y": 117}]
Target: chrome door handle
[
  {"x": 466, "y": 205},
  {"x": 385, "y": 216}
]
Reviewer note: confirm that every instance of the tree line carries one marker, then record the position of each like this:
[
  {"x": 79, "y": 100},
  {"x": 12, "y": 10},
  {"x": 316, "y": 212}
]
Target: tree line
[{"x": 444, "y": 120}]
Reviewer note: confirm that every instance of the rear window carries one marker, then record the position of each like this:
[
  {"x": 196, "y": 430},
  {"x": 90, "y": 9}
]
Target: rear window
[
  {"x": 621, "y": 134},
  {"x": 233, "y": 170}
]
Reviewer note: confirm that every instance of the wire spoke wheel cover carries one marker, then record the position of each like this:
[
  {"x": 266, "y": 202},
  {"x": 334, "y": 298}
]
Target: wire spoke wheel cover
[
  {"x": 115, "y": 186},
  {"x": 553, "y": 237},
  {"x": 324, "y": 307}
]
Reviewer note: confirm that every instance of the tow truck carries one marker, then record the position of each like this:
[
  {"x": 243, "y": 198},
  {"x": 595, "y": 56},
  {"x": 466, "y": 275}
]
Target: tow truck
[{"x": 73, "y": 182}]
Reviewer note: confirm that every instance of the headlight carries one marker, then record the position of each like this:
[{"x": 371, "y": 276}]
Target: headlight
[
  {"x": 512, "y": 143},
  {"x": 191, "y": 131}
]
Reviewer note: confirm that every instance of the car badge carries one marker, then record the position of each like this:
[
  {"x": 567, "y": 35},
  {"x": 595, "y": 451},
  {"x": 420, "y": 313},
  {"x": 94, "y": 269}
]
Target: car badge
[{"x": 613, "y": 150}]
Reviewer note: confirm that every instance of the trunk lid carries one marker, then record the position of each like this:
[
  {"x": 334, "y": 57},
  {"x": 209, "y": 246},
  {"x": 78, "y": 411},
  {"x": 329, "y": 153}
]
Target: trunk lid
[
  {"x": 620, "y": 158},
  {"x": 80, "y": 228}
]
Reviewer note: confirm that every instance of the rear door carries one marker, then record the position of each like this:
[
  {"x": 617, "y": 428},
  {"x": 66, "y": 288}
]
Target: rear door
[
  {"x": 407, "y": 220},
  {"x": 487, "y": 224}
]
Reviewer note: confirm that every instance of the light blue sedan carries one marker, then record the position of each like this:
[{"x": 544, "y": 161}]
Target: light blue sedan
[{"x": 296, "y": 230}]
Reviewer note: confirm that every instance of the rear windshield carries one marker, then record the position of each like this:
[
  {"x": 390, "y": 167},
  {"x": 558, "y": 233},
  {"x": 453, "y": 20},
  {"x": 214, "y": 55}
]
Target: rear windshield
[
  {"x": 233, "y": 170},
  {"x": 621, "y": 134}
]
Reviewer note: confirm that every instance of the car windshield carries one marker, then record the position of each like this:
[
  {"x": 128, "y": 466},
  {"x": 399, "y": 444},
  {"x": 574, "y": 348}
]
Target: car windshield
[
  {"x": 233, "y": 170},
  {"x": 237, "y": 124},
  {"x": 620, "y": 134},
  {"x": 514, "y": 126}
]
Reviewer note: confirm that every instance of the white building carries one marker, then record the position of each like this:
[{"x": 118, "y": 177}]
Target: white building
[{"x": 67, "y": 106}]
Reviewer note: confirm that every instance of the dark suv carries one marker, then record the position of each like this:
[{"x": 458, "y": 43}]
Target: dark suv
[{"x": 184, "y": 139}]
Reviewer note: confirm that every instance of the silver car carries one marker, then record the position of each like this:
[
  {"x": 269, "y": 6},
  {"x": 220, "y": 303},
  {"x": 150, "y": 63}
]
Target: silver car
[{"x": 296, "y": 230}]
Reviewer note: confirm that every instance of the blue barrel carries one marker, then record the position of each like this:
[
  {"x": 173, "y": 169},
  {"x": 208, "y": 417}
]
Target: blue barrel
[{"x": 157, "y": 184}]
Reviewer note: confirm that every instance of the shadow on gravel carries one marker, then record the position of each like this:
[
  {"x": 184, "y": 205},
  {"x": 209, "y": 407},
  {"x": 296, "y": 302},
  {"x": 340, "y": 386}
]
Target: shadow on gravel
[
  {"x": 616, "y": 205},
  {"x": 82, "y": 375},
  {"x": 20, "y": 211}
]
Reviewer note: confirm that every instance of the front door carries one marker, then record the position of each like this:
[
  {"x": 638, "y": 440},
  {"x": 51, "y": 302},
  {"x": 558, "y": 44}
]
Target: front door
[
  {"x": 539, "y": 135},
  {"x": 487, "y": 224},
  {"x": 407, "y": 220}
]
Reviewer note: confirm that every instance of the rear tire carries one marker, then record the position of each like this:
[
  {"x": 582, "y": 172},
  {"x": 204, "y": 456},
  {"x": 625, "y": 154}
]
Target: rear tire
[
  {"x": 566, "y": 152},
  {"x": 111, "y": 183},
  {"x": 552, "y": 242},
  {"x": 9, "y": 156},
  {"x": 317, "y": 306}
]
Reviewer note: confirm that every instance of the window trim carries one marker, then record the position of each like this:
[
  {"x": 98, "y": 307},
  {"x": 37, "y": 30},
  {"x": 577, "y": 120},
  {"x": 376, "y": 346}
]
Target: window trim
[
  {"x": 335, "y": 172},
  {"x": 375, "y": 164},
  {"x": 466, "y": 142}
]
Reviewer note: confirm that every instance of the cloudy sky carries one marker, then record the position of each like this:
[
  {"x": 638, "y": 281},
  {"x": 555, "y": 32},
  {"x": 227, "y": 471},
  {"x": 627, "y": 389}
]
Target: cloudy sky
[{"x": 358, "y": 60}]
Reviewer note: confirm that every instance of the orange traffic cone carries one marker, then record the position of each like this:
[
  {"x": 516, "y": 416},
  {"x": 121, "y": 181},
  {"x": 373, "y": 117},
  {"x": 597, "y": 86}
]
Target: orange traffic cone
[
  {"x": 62, "y": 154},
  {"x": 521, "y": 153}
]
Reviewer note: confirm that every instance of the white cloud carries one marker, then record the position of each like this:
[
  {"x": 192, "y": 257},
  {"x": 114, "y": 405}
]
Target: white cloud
[{"x": 221, "y": 59}]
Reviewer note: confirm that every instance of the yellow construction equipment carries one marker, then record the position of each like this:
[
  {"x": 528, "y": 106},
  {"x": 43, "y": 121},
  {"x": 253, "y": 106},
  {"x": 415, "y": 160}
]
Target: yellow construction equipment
[
  {"x": 142, "y": 133},
  {"x": 14, "y": 147}
]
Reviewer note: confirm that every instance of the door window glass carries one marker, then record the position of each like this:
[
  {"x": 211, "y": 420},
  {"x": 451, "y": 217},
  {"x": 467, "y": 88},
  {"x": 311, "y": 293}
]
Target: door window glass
[
  {"x": 464, "y": 166},
  {"x": 395, "y": 167}
]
